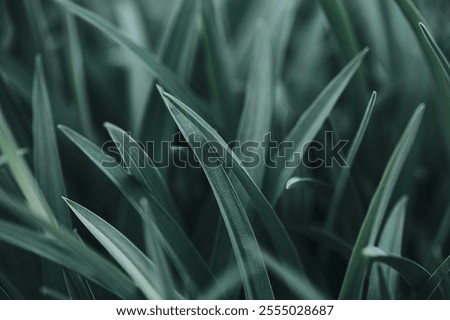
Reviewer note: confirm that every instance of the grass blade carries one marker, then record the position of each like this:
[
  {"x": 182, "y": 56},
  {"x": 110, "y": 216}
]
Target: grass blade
[
  {"x": 143, "y": 168},
  {"x": 357, "y": 267},
  {"x": 89, "y": 263},
  {"x": 256, "y": 118},
  {"x": 190, "y": 265},
  {"x": 22, "y": 174},
  {"x": 219, "y": 64},
  {"x": 76, "y": 67},
  {"x": 127, "y": 255},
  {"x": 307, "y": 128},
  {"x": 390, "y": 241},
  {"x": 411, "y": 271},
  {"x": 163, "y": 272},
  {"x": 438, "y": 67},
  {"x": 345, "y": 173},
  {"x": 245, "y": 246},
  {"x": 47, "y": 164},
  {"x": 269, "y": 218},
  {"x": 436, "y": 50},
  {"x": 72, "y": 255}
]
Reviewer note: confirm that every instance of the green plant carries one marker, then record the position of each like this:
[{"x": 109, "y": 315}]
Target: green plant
[{"x": 106, "y": 220}]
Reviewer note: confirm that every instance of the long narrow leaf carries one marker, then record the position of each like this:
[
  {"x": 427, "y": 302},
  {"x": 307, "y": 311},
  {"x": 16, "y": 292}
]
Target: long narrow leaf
[
  {"x": 269, "y": 218},
  {"x": 129, "y": 257},
  {"x": 245, "y": 246},
  {"x": 416, "y": 21},
  {"x": 256, "y": 118},
  {"x": 192, "y": 268},
  {"x": 22, "y": 174},
  {"x": 357, "y": 267},
  {"x": 391, "y": 242},
  {"x": 307, "y": 128},
  {"x": 219, "y": 63},
  {"x": 76, "y": 64},
  {"x": 163, "y": 271},
  {"x": 47, "y": 165},
  {"x": 343, "y": 177},
  {"x": 437, "y": 51}
]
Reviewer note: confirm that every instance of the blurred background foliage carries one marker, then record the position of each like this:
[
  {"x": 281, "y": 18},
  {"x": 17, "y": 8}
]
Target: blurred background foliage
[{"x": 91, "y": 80}]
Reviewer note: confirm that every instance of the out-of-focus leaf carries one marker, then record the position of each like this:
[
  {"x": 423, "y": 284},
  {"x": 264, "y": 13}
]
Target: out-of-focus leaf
[
  {"x": 47, "y": 165},
  {"x": 163, "y": 74}
]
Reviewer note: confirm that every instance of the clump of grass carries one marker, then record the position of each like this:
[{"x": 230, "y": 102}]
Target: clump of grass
[{"x": 82, "y": 218}]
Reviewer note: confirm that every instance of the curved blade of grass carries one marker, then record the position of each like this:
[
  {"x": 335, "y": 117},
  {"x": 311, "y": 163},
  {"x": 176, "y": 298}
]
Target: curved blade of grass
[
  {"x": 295, "y": 182},
  {"x": 254, "y": 123},
  {"x": 269, "y": 218},
  {"x": 164, "y": 276},
  {"x": 245, "y": 246},
  {"x": 22, "y": 174},
  {"x": 411, "y": 271},
  {"x": 143, "y": 168},
  {"x": 434, "y": 280},
  {"x": 74, "y": 245},
  {"x": 307, "y": 128},
  {"x": 357, "y": 267},
  {"x": 78, "y": 83},
  {"x": 437, "y": 51},
  {"x": 256, "y": 118},
  {"x": 163, "y": 74},
  {"x": 391, "y": 239},
  {"x": 190, "y": 265},
  {"x": 438, "y": 67},
  {"x": 345, "y": 172},
  {"x": 71, "y": 255},
  {"x": 127, "y": 255},
  {"x": 47, "y": 165}
]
